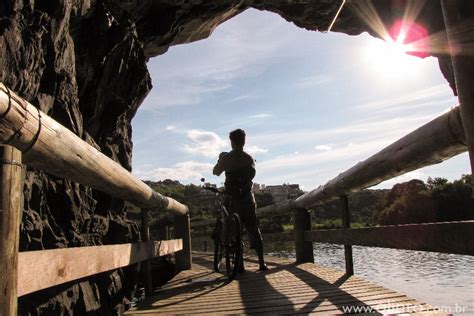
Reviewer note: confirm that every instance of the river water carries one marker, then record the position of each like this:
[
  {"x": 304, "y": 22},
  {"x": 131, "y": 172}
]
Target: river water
[{"x": 441, "y": 280}]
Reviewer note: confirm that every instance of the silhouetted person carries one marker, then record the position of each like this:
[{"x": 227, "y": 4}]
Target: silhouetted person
[{"x": 239, "y": 170}]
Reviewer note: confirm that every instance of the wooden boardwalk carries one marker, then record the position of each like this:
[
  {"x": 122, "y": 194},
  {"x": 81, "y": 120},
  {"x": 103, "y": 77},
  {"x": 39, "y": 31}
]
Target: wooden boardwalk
[{"x": 287, "y": 288}]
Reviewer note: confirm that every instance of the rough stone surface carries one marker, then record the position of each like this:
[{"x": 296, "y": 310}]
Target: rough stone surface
[{"x": 84, "y": 64}]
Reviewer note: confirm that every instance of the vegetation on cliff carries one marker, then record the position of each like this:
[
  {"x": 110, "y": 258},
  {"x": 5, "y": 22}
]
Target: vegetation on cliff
[{"x": 409, "y": 202}]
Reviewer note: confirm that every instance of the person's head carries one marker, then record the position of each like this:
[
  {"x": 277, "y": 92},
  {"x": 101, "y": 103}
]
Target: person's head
[{"x": 237, "y": 138}]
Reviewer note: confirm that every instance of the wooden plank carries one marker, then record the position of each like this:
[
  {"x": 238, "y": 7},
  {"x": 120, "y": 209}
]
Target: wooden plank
[
  {"x": 450, "y": 237},
  {"x": 277, "y": 304},
  {"x": 281, "y": 305},
  {"x": 270, "y": 292},
  {"x": 309, "y": 304},
  {"x": 11, "y": 201},
  {"x": 58, "y": 151},
  {"x": 289, "y": 284},
  {"x": 438, "y": 140},
  {"x": 285, "y": 289},
  {"x": 45, "y": 268}
]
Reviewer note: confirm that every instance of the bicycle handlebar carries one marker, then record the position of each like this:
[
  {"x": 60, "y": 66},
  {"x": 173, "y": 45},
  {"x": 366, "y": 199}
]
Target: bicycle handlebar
[{"x": 215, "y": 190}]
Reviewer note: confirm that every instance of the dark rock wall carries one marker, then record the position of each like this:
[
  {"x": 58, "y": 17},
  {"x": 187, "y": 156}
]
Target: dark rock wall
[
  {"x": 75, "y": 62},
  {"x": 84, "y": 64}
]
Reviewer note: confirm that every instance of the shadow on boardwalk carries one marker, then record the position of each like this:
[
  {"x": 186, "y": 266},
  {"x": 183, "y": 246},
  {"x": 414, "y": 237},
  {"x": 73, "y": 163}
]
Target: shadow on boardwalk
[{"x": 285, "y": 289}]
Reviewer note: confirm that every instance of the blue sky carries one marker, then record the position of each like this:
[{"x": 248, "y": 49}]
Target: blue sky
[{"x": 312, "y": 104}]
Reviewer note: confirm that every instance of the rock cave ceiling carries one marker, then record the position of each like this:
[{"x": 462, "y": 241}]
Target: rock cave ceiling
[{"x": 161, "y": 24}]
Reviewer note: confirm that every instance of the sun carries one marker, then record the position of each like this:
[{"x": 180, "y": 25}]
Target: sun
[
  {"x": 398, "y": 55},
  {"x": 389, "y": 59}
]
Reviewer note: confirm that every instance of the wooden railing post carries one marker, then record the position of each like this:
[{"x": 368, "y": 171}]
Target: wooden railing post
[
  {"x": 461, "y": 60},
  {"x": 146, "y": 265},
  {"x": 182, "y": 229},
  {"x": 11, "y": 203},
  {"x": 302, "y": 222},
  {"x": 346, "y": 224}
]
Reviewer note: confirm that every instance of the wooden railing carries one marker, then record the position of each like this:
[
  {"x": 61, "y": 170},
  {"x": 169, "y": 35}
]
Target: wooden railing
[
  {"x": 438, "y": 140},
  {"x": 42, "y": 269},
  {"x": 442, "y": 138},
  {"x": 31, "y": 137},
  {"x": 434, "y": 142}
]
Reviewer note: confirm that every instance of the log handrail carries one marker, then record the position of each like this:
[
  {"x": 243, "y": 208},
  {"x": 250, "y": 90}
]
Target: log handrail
[
  {"x": 46, "y": 145},
  {"x": 49, "y": 146},
  {"x": 432, "y": 143}
]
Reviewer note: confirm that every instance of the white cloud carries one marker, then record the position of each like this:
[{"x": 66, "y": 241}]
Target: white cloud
[
  {"x": 246, "y": 121},
  {"x": 389, "y": 129},
  {"x": 349, "y": 144},
  {"x": 344, "y": 152},
  {"x": 236, "y": 49},
  {"x": 204, "y": 143},
  {"x": 323, "y": 147},
  {"x": 260, "y": 116},
  {"x": 254, "y": 150},
  {"x": 242, "y": 97},
  {"x": 420, "y": 98},
  {"x": 313, "y": 81},
  {"x": 182, "y": 171},
  {"x": 170, "y": 128}
]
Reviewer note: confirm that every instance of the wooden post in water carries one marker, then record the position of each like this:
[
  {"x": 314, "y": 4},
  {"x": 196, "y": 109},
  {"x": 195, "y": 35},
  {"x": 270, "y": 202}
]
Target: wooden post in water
[
  {"x": 302, "y": 222},
  {"x": 463, "y": 72},
  {"x": 145, "y": 232},
  {"x": 11, "y": 202},
  {"x": 346, "y": 224},
  {"x": 182, "y": 229}
]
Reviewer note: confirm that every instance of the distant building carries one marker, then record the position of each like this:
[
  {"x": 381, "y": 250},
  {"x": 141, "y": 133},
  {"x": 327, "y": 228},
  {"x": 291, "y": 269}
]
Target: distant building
[
  {"x": 258, "y": 188},
  {"x": 207, "y": 192},
  {"x": 279, "y": 192}
]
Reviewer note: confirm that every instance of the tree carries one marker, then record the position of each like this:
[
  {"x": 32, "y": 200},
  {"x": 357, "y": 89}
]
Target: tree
[
  {"x": 408, "y": 202},
  {"x": 263, "y": 199},
  {"x": 437, "y": 201},
  {"x": 453, "y": 199}
]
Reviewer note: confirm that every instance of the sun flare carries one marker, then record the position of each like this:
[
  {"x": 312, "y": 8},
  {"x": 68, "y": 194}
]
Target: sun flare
[
  {"x": 389, "y": 59},
  {"x": 404, "y": 38}
]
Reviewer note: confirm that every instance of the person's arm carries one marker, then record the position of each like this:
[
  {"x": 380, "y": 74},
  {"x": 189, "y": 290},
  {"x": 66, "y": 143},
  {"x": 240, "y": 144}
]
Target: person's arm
[
  {"x": 220, "y": 165},
  {"x": 217, "y": 171}
]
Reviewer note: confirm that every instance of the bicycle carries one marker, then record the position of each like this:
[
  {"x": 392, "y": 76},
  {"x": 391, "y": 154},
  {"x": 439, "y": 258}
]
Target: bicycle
[{"x": 227, "y": 237}]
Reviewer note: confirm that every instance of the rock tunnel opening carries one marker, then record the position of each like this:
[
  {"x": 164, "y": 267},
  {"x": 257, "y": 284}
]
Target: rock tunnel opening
[
  {"x": 307, "y": 99},
  {"x": 84, "y": 64}
]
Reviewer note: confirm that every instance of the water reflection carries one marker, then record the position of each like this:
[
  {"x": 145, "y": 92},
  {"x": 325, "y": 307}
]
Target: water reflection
[{"x": 436, "y": 278}]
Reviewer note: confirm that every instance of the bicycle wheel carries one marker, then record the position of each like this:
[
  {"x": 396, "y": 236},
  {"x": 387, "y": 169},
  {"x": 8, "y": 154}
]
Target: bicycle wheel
[
  {"x": 233, "y": 245},
  {"x": 218, "y": 249}
]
